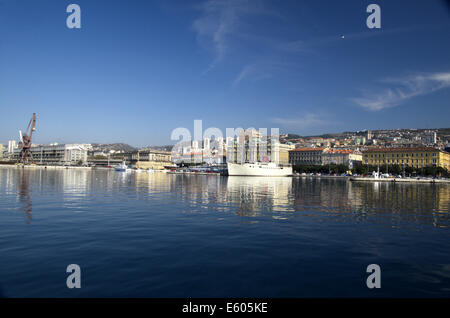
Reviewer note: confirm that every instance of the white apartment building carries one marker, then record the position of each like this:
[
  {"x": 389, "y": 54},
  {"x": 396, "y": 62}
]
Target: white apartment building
[
  {"x": 429, "y": 138},
  {"x": 12, "y": 144},
  {"x": 206, "y": 143}
]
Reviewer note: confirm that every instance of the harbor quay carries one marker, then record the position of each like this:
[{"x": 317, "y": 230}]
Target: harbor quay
[{"x": 394, "y": 164}]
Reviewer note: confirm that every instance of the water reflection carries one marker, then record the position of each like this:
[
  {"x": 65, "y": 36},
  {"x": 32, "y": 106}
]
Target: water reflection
[
  {"x": 419, "y": 203},
  {"x": 23, "y": 191},
  {"x": 287, "y": 197},
  {"x": 199, "y": 192},
  {"x": 245, "y": 196},
  {"x": 76, "y": 182},
  {"x": 153, "y": 182},
  {"x": 199, "y": 225},
  {"x": 258, "y": 194}
]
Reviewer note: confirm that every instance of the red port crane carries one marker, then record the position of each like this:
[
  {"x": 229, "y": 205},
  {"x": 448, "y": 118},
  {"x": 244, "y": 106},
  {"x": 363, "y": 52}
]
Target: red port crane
[{"x": 25, "y": 141}]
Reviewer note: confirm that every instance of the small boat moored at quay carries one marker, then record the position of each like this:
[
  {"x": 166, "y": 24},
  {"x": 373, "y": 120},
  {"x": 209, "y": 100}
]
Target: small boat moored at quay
[{"x": 122, "y": 167}]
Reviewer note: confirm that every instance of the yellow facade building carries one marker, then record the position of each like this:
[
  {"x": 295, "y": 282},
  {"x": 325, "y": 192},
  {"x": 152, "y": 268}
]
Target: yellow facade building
[
  {"x": 419, "y": 157},
  {"x": 150, "y": 159}
]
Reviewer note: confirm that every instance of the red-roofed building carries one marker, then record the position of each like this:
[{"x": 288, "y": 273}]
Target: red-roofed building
[{"x": 346, "y": 157}]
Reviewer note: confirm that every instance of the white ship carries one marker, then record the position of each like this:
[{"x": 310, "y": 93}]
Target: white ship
[{"x": 269, "y": 169}]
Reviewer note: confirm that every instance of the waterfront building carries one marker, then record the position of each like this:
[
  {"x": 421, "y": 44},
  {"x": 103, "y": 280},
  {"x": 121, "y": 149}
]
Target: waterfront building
[
  {"x": 417, "y": 157},
  {"x": 252, "y": 146},
  {"x": 188, "y": 157},
  {"x": 11, "y": 146},
  {"x": 149, "y": 159},
  {"x": 345, "y": 157},
  {"x": 280, "y": 152},
  {"x": 97, "y": 153},
  {"x": 217, "y": 146},
  {"x": 206, "y": 143},
  {"x": 229, "y": 141},
  {"x": 214, "y": 158},
  {"x": 55, "y": 154},
  {"x": 1, "y": 150},
  {"x": 306, "y": 156},
  {"x": 229, "y": 147}
]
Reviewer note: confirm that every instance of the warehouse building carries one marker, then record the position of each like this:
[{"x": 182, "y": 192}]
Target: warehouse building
[{"x": 55, "y": 154}]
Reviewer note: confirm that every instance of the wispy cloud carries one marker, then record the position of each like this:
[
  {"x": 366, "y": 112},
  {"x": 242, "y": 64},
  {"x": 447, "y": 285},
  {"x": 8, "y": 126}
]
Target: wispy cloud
[
  {"x": 249, "y": 70},
  {"x": 403, "y": 89},
  {"x": 220, "y": 20},
  {"x": 309, "y": 45},
  {"x": 262, "y": 69}
]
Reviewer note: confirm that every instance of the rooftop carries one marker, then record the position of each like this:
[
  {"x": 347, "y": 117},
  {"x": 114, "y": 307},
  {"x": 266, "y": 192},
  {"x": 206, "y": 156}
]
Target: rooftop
[{"x": 339, "y": 151}]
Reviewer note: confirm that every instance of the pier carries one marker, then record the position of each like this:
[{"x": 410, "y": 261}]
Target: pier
[{"x": 400, "y": 180}]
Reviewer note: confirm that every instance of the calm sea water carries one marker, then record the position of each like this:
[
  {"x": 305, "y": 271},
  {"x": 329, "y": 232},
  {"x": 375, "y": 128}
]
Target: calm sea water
[{"x": 158, "y": 235}]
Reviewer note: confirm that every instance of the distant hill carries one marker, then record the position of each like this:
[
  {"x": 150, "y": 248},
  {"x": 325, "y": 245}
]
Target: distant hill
[
  {"x": 114, "y": 146},
  {"x": 292, "y": 136},
  {"x": 441, "y": 132}
]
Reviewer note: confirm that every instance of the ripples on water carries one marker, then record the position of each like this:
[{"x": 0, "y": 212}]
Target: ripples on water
[{"x": 159, "y": 235}]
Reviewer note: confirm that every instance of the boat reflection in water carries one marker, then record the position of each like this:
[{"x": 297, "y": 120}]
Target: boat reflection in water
[
  {"x": 256, "y": 195},
  {"x": 275, "y": 197}
]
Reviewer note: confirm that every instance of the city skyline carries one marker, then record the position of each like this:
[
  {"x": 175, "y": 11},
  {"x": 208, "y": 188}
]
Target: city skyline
[
  {"x": 135, "y": 71},
  {"x": 327, "y": 135}
]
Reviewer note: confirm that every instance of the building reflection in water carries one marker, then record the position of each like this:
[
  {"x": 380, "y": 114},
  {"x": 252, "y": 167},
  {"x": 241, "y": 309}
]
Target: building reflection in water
[
  {"x": 390, "y": 203},
  {"x": 153, "y": 183},
  {"x": 313, "y": 197},
  {"x": 76, "y": 186},
  {"x": 9, "y": 178},
  {"x": 396, "y": 202},
  {"x": 76, "y": 182},
  {"x": 200, "y": 193}
]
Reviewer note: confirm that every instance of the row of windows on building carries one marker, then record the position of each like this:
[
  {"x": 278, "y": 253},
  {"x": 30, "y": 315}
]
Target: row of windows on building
[
  {"x": 407, "y": 161},
  {"x": 399, "y": 155}
]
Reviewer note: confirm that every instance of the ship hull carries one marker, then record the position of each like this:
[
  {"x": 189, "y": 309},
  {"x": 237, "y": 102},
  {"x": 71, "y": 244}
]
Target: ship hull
[{"x": 249, "y": 169}]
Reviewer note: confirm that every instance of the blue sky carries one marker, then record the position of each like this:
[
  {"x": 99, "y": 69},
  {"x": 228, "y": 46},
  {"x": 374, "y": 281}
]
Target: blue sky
[{"x": 138, "y": 69}]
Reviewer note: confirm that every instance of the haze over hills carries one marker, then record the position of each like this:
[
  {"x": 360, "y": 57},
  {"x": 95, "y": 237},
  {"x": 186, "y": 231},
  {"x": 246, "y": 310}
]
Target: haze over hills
[
  {"x": 122, "y": 147},
  {"x": 118, "y": 147}
]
